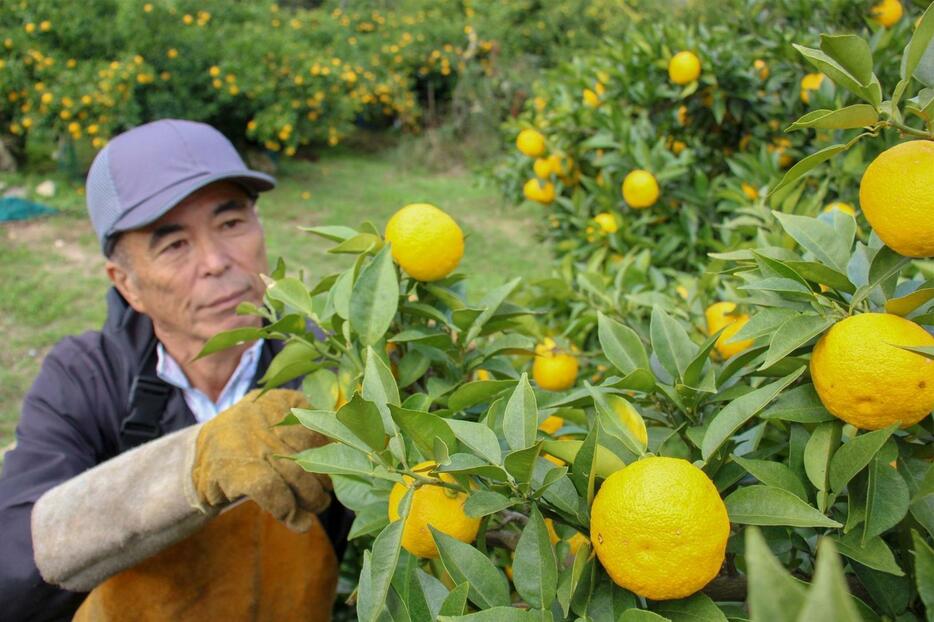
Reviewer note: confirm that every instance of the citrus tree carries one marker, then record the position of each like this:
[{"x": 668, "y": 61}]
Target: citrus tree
[{"x": 766, "y": 457}]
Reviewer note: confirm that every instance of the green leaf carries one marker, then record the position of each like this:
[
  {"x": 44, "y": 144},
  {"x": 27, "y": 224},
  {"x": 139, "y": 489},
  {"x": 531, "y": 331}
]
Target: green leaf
[
  {"x": 484, "y": 502},
  {"x": 621, "y": 345},
  {"x": 535, "y": 569},
  {"x": 334, "y": 233},
  {"x": 359, "y": 243},
  {"x": 642, "y": 615},
  {"x": 476, "y": 392},
  {"x": 800, "y": 404},
  {"x": 367, "y": 605},
  {"x": 763, "y": 322},
  {"x": 363, "y": 419},
  {"x": 605, "y": 464},
  {"x": 608, "y": 409},
  {"x": 292, "y": 292},
  {"x": 793, "y": 334},
  {"x": 296, "y": 359},
  {"x": 324, "y": 422},
  {"x": 379, "y": 386},
  {"x": 828, "y": 597},
  {"x": 520, "y": 420},
  {"x": 875, "y": 553},
  {"x": 806, "y": 165},
  {"x": 819, "y": 273},
  {"x": 920, "y": 44},
  {"x": 697, "y": 608},
  {"x": 670, "y": 342},
  {"x": 469, "y": 464},
  {"x": 375, "y": 298},
  {"x": 924, "y": 566},
  {"x": 839, "y": 71},
  {"x": 413, "y": 366},
  {"x": 386, "y": 549},
  {"x": 229, "y": 339},
  {"x": 855, "y": 455},
  {"x": 857, "y": 115},
  {"x": 490, "y": 304},
  {"x": 322, "y": 389},
  {"x": 887, "y": 499},
  {"x": 819, "y": 452},
  {"x": 774, "y": 474},
  {"x": 500, "y": 614},
  {"x": 370, "y": 520},
  {"x": 488, "y": 586},
  {"x": 456, "y": 602},
  {"x": 741, "y": 410},
  {"x": 423, "y": 428},
  {"x": 774, "y": 595},
  {"x": 885, "y": 264},
  {"x": 434, "y": 592},
  {"x": 479, "y": 438},
  {"x": 334, "y": 459},
  {"x": 850, "y": 52},
  {"x": 925, "y": 351},
  {"x": 817, "y": 237},
  {"x": 903, "y": 305},
  {"x": 521, "y": 462},
  {"x": 766, "y": 505}
]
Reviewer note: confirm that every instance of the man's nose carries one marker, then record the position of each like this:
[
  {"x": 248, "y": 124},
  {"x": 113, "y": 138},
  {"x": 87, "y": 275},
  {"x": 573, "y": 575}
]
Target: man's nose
[{"x": 214, "y": 256}]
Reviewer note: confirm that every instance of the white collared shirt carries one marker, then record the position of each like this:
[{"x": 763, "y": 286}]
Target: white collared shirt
[{"x": 168, "y": 369}]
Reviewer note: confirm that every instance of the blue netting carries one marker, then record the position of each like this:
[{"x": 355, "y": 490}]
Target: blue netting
[{"x": 15, "y": 208}]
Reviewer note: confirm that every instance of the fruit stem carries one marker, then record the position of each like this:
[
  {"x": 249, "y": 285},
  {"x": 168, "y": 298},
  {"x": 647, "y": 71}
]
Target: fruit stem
[{"x": 907, "y": 129}]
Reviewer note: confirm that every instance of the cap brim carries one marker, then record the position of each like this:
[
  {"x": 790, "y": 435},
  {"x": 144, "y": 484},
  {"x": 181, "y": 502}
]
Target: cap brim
[{"x": 156, "y": 206}]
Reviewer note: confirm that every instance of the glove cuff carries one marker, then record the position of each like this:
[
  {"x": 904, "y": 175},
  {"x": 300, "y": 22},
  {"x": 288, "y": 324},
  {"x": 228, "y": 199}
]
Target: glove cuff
[{"x": 115, "y": 515}]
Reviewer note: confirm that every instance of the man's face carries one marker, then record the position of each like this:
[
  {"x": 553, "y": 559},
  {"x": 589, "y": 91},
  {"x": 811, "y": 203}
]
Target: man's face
[{"x": 189, "y": 270}]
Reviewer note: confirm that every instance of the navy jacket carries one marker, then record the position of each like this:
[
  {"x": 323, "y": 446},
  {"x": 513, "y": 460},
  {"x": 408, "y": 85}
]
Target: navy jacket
[{"x": 71, "y": 422}]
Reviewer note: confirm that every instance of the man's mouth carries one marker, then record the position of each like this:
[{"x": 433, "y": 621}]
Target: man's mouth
[{"x": 227, "y": 301}]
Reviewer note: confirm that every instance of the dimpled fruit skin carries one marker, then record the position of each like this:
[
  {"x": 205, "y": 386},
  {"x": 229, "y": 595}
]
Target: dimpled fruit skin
[
  {"x": 439, "y": 507},
  {"x": 896, "y": 195},
  {"x": 426, "y": 242},
  {"x": 659, "y": 528},
  {"x": 864, "y": 380}
]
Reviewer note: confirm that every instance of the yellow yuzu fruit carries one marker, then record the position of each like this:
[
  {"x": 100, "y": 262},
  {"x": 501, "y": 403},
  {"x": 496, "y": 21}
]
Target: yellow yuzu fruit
[
  {"x": 887, "y": 13},
  {"x": 551, "y": 424},
  {"x": 554, "y": 369},
  {"x": 660, "y": 528},
  {"x": 574, "y": 542},
  {"x": 539, "y": 191},
  {"x": 607, "y": 222},
  {"x": 542, "y": 168},
  {"x": 531, "y": 143},
  {"x": 684, "y": 68},
  {"x": 640, "y": 189},
  {"x": 750, "y": 191},
  {"x": 719, "y": 315},
  {"x": 841, "y": 206},
  {"x": 761, "y": 68},
  {"x": 810, "y": 82},
  {"x": 437, "y": 506},
  {"x": 896, "y": 195},
  {"x": 864, "y": 379},
  {"x": 426, "y": 242}
]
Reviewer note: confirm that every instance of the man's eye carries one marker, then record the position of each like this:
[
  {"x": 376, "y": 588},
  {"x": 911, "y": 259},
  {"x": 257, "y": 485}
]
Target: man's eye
[
  {"x": 175, "y": 246},
  {"x": 231, "y": 224}
]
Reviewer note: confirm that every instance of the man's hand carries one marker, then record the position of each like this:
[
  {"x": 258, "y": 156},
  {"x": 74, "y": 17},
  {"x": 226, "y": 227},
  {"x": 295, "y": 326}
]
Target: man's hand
[{"x": 235, "y": 458}]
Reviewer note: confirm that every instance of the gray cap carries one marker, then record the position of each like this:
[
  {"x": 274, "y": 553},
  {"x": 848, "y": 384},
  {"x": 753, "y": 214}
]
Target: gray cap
[{"x": 146, "y": 171}]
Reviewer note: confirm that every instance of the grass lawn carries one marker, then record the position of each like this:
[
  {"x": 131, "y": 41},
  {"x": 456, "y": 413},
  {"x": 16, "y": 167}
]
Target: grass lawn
[{"x": 52, "y": 282}]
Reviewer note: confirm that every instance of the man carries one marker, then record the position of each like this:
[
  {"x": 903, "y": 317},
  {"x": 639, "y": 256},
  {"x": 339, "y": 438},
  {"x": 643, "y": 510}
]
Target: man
[{"x": 118, "y": 501}]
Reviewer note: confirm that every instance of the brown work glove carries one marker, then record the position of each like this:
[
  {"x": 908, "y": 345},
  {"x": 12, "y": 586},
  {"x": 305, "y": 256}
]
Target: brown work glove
[{"x": 235, "y": 458}]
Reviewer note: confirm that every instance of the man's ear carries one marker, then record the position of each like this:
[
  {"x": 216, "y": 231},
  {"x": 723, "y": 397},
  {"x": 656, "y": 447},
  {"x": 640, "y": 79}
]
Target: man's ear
[{"x": 125, "y": 283}]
